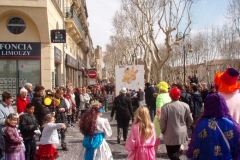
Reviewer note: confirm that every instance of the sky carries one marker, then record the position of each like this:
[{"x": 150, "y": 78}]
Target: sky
[{"x": 101, "y": 13}]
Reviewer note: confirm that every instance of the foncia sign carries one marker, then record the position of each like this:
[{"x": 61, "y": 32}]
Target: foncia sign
[{"x": 16, "y": 49}]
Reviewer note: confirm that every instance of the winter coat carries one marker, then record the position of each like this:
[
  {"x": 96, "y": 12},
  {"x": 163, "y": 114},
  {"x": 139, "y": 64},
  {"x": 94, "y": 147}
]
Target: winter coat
[
  {"x": 21, "y": 104},
  {"x": 84, "y": 98},
  {"x": 150, "y": 100},
  {"x": 140, "y": 95},
  {"x": 175, "y": 118},
  {"x": 28, "y": 124},
  {"x": 196, "y": 104},
  {"x": 12, "y": 140},
  {"x": 40, "y": 109},
  {"x": 123, "y": 108},
  {"x": 77, "y": 99},
  {"x": 204, "y": 93},
  {"x": 50, "y": 134},
  {"x": 61, "y": 117}
]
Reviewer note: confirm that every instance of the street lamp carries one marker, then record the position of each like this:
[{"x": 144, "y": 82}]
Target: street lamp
[{"x": 181, "y": 36}]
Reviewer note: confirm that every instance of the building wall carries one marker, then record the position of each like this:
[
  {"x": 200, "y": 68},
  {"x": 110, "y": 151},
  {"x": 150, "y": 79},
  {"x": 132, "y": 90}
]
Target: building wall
[{"x": 40, "y": 17}]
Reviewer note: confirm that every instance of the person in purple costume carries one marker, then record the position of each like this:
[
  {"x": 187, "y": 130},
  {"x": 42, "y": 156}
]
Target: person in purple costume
[{"x": 217, "y": 135}]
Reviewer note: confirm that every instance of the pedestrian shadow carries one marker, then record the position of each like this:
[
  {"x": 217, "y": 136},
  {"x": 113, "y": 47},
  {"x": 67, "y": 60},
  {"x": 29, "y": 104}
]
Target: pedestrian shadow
[
  {"x": 78, "y": 141},
  {"x": 113, "y": 125},
  {"x": 119, "y": 155},
  {"x": 162, "y": 155},
  {"x": 114, "y": 142}
]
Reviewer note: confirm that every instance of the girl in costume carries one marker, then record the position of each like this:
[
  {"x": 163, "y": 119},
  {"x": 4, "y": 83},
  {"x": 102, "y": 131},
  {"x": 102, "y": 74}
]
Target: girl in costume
[
  {"x": 13, "y": 141},
  {"x": 141, "y": 141},
  {"x": 162, "y": 98},
  {"x": 49, "y": 139},
  {"x": 95, "y": 129},
  {"x": 217, "y": 135}
]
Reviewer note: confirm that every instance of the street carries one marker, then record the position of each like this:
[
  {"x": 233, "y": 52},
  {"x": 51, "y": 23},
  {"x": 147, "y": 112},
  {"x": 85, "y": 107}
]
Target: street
[{"x": 74, "y": 138}]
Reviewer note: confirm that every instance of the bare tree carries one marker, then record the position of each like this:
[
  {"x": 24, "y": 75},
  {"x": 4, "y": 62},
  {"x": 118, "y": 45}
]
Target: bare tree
[
  {"x": 172, "y": 14},
  {"x": 233, "y": 13}
]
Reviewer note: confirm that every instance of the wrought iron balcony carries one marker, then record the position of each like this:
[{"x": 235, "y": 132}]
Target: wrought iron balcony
[{"x": 71, "y": 13}]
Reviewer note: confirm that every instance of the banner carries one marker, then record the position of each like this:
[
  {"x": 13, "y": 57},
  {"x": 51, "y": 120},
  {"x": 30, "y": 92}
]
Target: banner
[{"x": 130, "y": 77}]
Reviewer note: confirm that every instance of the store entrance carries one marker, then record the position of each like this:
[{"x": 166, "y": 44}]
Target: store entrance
[{"x": 15, "y": 73}]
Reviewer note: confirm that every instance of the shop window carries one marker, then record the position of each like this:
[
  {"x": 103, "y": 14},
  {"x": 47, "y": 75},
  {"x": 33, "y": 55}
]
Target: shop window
[{"x": 16, "y": 25}]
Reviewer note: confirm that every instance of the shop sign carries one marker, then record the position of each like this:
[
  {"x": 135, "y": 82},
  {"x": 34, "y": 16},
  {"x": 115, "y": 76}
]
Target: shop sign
[
  {"x": 70, "y": 61},
  {"x": 57, "y": 55},
  {"x": 58, "y": 36},
  {"x": 20, "y": 50}
]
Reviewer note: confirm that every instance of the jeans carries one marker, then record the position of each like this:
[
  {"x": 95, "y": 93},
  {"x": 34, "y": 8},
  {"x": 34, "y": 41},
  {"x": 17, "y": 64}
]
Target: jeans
[{"x": 152, "y": 111}]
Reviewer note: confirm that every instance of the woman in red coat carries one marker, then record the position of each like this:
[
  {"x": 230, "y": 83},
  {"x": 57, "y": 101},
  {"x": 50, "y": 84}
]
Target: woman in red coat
[{"x": 22, "y": 101}]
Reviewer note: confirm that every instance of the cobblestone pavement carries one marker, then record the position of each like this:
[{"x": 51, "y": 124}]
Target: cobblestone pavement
[{"x": 74, "y": 138}]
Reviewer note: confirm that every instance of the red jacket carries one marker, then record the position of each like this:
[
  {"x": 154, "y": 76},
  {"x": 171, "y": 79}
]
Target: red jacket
[{"x": 21, "y": 104}]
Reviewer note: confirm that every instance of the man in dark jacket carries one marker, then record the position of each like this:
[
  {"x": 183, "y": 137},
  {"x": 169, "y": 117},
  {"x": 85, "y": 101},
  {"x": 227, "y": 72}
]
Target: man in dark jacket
[
  {"x": 61, "y": 117},
  {"x": 124, "y": 113},
  {"x": 185, "y": 96},
  {"x": 196, "y": 105},
  {"x": 40, "y": 109},
  {"x": 205, "y": 91},
  {"x": 150, "y": 99}
]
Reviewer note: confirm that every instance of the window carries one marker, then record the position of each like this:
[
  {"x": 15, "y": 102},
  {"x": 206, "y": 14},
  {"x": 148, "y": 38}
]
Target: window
[{"x": 16, "y": 25}]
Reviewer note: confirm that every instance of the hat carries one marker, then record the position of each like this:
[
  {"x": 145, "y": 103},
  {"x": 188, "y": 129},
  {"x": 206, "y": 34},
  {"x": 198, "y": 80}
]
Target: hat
[
  {"x": 123, "y": 90},
  {"x": 227, "y": 82},
  {"x": 163, "y": 86},
  {"x": 175, "y": 93},
  {"x": 215, "y": 106},
  {"x": 140, "y": 88}
]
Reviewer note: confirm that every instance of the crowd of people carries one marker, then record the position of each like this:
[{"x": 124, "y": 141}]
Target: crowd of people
[
  {"x": 213, "y": 116},
  {"x": 46, "y": 113}
]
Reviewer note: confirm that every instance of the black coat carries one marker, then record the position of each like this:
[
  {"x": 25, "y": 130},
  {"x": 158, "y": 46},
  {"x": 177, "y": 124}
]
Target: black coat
[
  {"x": 123, "y": 107},
  {"x": 28, "y": 124},
  {"x": 196, "y": 104},
  {"x": 61, "y": 117},
  {"x": 77, "y": 99},
  {"x": 150, "y": 100},
  {"x": 40, "y": 109}
]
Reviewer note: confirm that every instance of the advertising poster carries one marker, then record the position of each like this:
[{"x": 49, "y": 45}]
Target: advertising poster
[{"x": 130, "y": 77}]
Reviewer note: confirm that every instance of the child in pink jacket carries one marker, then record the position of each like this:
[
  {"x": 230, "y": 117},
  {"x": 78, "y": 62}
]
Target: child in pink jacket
[{"x": 140, "y": 143}]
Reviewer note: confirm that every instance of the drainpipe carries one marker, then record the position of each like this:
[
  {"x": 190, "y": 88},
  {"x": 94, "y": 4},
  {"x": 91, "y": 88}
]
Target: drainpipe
[{"x": 64, "y": 54}]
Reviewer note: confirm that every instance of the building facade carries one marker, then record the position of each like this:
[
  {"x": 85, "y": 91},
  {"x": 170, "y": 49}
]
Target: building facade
[{"x": 26, "y": 51}]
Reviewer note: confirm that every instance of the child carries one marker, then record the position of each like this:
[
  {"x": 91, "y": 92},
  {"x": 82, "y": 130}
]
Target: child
[
  {"x": 49, "y": 139},
  {"x": 13, "y": 142},
  {"x": 140, "y": 143},
  {"x": 94, "y": 128},
  {"x": 28, "y": 126}
]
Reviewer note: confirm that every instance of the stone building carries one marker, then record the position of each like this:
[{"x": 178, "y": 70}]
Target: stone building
[{"x": 26, "y": 51}]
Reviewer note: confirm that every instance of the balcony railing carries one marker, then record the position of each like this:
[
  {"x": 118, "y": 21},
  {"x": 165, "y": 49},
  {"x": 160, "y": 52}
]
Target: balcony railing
[{"x": 71, "y": 14}]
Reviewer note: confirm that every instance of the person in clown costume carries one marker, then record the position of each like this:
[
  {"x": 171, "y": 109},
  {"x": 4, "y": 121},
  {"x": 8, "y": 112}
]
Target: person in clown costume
[
  {"x": 229, "y": 87},
  {"x": 162, "y": 98}
]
